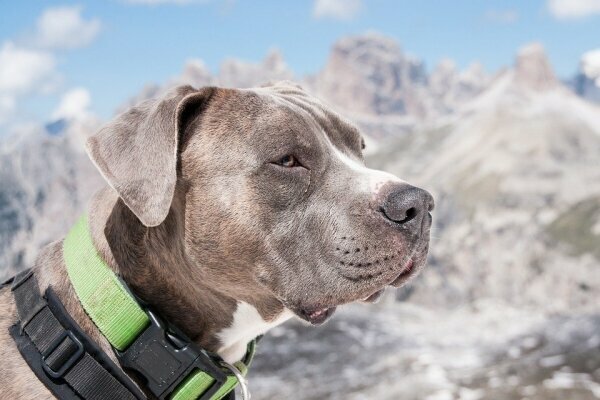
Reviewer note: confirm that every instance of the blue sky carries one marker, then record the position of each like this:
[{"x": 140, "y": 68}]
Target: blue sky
[{"x": 134, "y": 42}]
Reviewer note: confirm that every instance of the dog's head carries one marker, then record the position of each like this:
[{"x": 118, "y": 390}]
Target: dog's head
[{"x": 270, "y": 189}]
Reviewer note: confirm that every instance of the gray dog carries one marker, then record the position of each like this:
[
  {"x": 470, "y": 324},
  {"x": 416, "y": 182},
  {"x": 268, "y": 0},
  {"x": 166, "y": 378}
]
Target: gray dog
[{"x": 230, "y": 211}]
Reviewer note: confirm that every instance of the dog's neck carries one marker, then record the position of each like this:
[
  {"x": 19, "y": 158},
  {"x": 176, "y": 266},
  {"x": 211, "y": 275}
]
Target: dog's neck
[{"x": 152, "y": 262}]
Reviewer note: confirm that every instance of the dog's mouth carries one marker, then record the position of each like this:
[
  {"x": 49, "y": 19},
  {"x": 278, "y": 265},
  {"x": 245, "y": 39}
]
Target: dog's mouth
[{"x": 318, "y": 315}]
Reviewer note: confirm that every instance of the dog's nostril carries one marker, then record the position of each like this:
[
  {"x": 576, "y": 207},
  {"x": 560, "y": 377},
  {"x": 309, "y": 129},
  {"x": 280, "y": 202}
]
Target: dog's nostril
[{"x": 410, "y": 214}]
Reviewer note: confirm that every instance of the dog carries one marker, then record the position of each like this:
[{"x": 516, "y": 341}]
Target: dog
[{"x": 231, "y": 211}]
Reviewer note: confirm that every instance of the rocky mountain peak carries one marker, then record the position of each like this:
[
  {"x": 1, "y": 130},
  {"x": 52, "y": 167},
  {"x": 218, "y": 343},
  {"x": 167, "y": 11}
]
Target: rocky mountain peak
[
  {"x": 195, "y": 73},
  {"x": 243, "y": 74},
  {"x": 371, "y": 44},
  {"x": 532, "y": 68},
  {"x": 443, "y": 76},
  {"x": 475, "y": 74},
  {"x": 370, "y": 74},
  {"x": 275, "y": 63}
]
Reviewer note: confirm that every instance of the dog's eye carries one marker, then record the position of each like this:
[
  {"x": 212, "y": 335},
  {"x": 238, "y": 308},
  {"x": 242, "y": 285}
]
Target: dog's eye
[{"x": 288, "y": 161}]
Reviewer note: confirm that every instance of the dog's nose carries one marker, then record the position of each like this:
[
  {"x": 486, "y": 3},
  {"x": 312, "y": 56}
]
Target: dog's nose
[{"x": 407, "y": 205}]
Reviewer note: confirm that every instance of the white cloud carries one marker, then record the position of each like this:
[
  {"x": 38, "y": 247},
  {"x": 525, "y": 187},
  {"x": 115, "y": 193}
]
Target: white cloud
[
  {"x": 571, "y": 9},
  {"x": 24, "y": 71},
  {"x": 590, "y": 65},
  {"x": 502, "y": 16},
  {"x": 29, "y": 67},
  {"x": 64, "y": 28},
  {"x": 74, "y": 104},
  {"x": 337, "y": 9}
]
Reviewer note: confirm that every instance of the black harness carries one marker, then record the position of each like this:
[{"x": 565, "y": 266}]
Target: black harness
[{"x": 64, "y": 358}]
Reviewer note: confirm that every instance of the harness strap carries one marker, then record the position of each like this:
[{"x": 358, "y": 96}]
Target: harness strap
[
  {"x": 60, "y": 351},
  {"x": 103, "y": 297}
]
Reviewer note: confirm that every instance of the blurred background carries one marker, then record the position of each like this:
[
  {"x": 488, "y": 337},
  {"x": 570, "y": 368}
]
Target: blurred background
[{"x": 493, "y": 106}]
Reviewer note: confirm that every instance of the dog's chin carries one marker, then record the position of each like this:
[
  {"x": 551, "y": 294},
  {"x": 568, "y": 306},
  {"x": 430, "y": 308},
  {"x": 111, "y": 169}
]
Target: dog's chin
[
  {"x": 315, "y": 315},
  {"x": 320, "y": 311}
]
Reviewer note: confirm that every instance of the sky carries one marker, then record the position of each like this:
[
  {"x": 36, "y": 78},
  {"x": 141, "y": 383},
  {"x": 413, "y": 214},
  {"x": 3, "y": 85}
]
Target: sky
[{"x": 61, "y": 58}]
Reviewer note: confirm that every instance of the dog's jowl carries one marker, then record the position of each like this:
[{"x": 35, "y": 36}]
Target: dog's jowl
[{"x": 226, "y": 212}]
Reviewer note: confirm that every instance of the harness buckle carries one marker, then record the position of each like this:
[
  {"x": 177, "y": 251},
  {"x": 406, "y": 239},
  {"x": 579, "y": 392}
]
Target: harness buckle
[
  {"x": 163, "y": 358},
  {"x": 69, "y": 362}
]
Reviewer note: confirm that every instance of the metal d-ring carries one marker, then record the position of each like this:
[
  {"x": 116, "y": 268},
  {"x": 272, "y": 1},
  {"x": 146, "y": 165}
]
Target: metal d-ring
[{"x": 241, "y": 379}]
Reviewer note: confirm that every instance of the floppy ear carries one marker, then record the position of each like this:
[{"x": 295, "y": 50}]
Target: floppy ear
[{"x": 137, "y": 151}]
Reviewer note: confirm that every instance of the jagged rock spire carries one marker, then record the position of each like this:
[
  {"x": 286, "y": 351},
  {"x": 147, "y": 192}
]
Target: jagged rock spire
[{"x": 532, "y": 68}]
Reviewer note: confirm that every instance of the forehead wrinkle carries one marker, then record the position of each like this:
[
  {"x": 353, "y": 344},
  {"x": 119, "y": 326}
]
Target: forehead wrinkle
[
  {"x": 338, "y": 133},
  {"x": 337, "y": 151},
  {"x": 294, "y": 111},
  {"x": 334, "y": 126}
]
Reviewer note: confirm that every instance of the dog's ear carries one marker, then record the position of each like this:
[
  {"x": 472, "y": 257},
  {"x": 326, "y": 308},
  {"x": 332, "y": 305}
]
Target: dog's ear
[{"x": 137, "y": 151}]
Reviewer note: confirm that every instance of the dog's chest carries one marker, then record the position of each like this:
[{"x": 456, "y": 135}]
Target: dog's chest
[{"x": 247, "y": 324}]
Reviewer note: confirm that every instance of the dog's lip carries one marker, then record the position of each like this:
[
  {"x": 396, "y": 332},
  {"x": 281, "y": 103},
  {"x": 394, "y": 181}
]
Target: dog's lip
[
  {"x": 315, "y": 315},
  {"x": 399, "y": 280},
  {"x": 405, "y": 275},
  {"x": 374, "y": 298},
  {"x": 407, "y": 271}
]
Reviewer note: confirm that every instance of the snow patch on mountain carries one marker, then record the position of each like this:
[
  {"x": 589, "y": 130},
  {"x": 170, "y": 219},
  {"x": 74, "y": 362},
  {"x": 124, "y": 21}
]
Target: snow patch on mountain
[
  {"x": 587, "y": 82},
  {"x": 590, "y": 65}
]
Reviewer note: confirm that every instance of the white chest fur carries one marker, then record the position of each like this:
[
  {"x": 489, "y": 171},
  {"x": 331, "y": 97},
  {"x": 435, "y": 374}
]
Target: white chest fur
[{"x": 247, "y": 324}]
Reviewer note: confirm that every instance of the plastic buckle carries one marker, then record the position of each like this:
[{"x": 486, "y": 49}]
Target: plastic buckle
[
  {"x": 70, "y": 361},
  {"x": 163, "y": 359}
]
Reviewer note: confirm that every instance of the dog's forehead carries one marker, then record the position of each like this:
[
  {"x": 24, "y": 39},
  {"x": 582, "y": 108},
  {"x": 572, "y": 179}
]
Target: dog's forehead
[{"x": 296, "y": 108}]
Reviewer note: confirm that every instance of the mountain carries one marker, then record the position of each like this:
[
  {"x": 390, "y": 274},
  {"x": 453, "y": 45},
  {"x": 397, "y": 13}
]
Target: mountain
[
  {"x": 369, "y": 75},
  {"x": 236, "y": 73},
  {"x": 47, "y": 180},
  {"x": 232, "y": 73},
  {"x": 517, "y": 180},
  {"x": 370, "y": 80},
  {"x": 587, "y": 81},
  {"x": 449, "y": 88}
]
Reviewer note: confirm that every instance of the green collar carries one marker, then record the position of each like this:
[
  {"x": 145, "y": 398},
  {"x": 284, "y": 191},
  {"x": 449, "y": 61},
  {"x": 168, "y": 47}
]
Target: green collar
[{"x": 123, "y": 322}]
